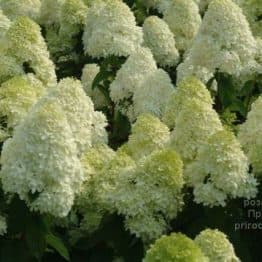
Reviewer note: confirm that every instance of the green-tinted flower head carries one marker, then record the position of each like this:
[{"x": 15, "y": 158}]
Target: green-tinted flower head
[
  {"x": 216, "y": 246},
  {"x": 17, "y": 95},
  {"x": 25, "y": 42},
  {"x": 175, "y": 248},
  {"x": 188, "y": 90},
  {"x": 148, "y": 134}
]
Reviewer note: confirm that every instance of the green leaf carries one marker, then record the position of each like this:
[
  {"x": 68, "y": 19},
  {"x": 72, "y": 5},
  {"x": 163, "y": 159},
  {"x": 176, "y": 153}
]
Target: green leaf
[
  {"x": 58, "y": 245},
  {"x": 101, "y": 76}
]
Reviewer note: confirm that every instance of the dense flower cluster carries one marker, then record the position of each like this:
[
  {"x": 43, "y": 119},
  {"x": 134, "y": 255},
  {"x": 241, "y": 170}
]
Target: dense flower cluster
[
  {"x": 191, "y": 114},
  {"x": 159, "y": 38},
  {"x": 41, "y": 162},
  {"x": 25, "y": 43},
  {"x": 224, "y": 42},
  {"x": 220, "y": 170},
  {"x": 17, "y": 95},
  {"x": 209, "y": 245},
  {"x": 110, "y": 29},
  {"x": 184, "y": 20},
  {"x": 176, "y": 247}
]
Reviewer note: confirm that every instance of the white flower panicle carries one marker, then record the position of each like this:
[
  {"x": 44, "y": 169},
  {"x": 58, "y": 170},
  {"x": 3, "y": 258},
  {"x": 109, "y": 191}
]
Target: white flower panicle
[
  {"x": 87, "y": 125},
  {"x": 152, "y": 94},
  {"x": 184, "y": 21},
  {"x": 57, "y": 129},
  {"x": 150, "y": 195},
  {"x": 147, "y": 135},
  {"x": 191, "y": 89},
  {"x": 191, "y": 114},
  {"x": 17, "y": 95},
  {"x": 14, "y": 8},
  {"x": 224, "y": 43},
  {"x": 216, "y": 246},
  {"x": 89, "y": 73},
  {"x": 161, "y": 41},
  {"x": 111, "y": 29},
  {"x": 40, "y": 162},
  {"x": 26, "y": 44},
  {"x": 220, "y": 171},
  {"x": 250, "y": 135},
  {"x": 137, "y": 66}
]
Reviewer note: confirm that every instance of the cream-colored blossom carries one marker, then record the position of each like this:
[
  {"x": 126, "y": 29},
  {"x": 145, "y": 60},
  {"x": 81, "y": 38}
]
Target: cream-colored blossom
[
  {"x": 161, "y": 41},
  {"x": 148, "y": 134},
  {"x": 86, "y": 124},
  {"x": 191, "y": 89},
  {"x": 250, "y": 135},
  {"x": 40, "y": 163},
  {"x": 152, "y": 94},
  {"x": 184, "y": 21},
  {"x": 220, "y": 171},
  {"x": 216, "y": 246},
  {"x": 150, "y": 195},
  {"x": 131, "y": 74},
  {"x": 224, "y": 43},
  {"x": 111, "y": 29}
]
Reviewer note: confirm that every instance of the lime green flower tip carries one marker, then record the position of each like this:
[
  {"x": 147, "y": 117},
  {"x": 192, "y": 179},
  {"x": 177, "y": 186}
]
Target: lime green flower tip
[{"x": 175, "y": 248}]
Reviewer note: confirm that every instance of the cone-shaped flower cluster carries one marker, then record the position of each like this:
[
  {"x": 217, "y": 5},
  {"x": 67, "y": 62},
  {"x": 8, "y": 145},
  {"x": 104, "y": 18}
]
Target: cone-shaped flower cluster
[
  {"x": 224, "y": 43},
  {"x": 220, "y": 171},
  {"x": 250, "y": 136},
  {"x": 111, "y": 29},
  {"x": 41, "y": 162},
  {"x": 191, "y": 114},
  {"x": 159, "y": 38},
  {"x": 184, "y": 20},
  {"x": 148, "y": 134},
  {"x": 137, "y": 79},
  {"x": 152, "y": 94}
]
